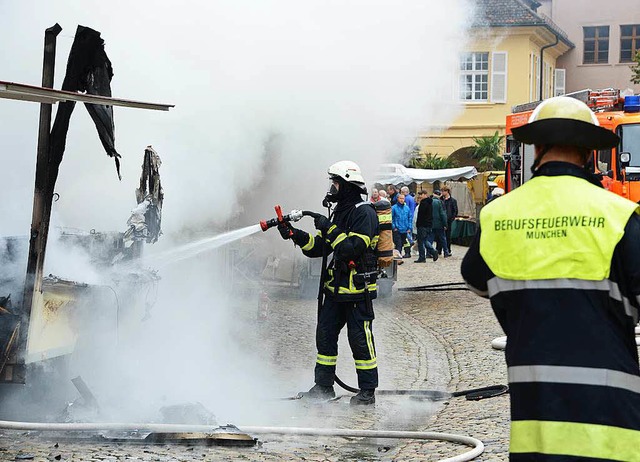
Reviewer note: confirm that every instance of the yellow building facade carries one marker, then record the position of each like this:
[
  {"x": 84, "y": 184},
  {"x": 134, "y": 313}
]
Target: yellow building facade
[{"x": 500, "y": 68}]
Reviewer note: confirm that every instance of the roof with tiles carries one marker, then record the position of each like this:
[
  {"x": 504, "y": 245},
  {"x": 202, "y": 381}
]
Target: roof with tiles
[{"x": 514, "y": 13}]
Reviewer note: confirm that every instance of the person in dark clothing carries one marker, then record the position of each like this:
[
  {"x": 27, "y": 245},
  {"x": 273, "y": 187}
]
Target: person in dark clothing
[
  {"x": 451, "y": 209},
  {"x": 424, "y": 225},
  {"x": 439, "y": 224},
  {"x": 559, "y": 258},
  {"x": 392, "y": 194},
  {"x": 349, "y": 281}
]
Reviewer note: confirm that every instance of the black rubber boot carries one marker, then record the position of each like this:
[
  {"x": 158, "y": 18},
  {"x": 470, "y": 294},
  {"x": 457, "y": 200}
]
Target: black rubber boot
[
  {"x": 320, "y": 392},
  {"x": 363, "y": 398}
]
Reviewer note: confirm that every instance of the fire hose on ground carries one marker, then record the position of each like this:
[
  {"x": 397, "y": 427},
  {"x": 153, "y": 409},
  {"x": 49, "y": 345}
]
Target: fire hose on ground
[
  {"x": 473, "y": 394},
  {"x": 477, "y": 445},
  {"x": 436, "y": 287}
]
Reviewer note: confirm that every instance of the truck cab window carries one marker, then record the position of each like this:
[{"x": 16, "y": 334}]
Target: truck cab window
[
  {"x": 603, "y": 158},
  {"x": 630, "y": 142}
]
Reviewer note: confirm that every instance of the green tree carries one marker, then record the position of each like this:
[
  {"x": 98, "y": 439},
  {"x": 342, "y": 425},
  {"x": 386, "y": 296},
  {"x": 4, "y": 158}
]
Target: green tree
[
  {"x": 635, "y": 69},
  {"x": 431, "y": 161},
  {"x": 488, "y": 152}
]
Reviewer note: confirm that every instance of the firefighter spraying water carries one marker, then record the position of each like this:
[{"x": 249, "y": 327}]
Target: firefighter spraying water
[{"x": 347, "y": 284}]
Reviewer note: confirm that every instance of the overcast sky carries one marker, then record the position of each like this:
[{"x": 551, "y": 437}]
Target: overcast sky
[{"x": 335, "y": 79}]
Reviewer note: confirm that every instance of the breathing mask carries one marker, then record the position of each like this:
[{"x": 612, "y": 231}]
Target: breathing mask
[{"x": 335, "y": 191}]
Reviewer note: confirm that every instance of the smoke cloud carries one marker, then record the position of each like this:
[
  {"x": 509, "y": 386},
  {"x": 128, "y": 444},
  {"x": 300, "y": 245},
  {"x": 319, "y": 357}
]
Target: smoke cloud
[
  {"x": 333, "y": 80},
  {"x": 268, "y": 94}
]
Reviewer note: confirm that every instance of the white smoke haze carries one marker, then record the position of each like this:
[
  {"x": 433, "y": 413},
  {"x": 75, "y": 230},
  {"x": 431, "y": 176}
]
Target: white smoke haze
[{"x": 268, "y": 94}]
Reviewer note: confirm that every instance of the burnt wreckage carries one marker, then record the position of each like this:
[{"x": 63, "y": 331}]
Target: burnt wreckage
[{"x": 43, "y": 319}]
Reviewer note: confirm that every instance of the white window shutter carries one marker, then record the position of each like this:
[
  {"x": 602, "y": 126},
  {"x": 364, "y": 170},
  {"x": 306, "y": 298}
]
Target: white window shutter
[
  {"x": 532, "y": 78},
  {"x": 499, "y": 77},
  {"x": 560, "y": 82},
  {"x": 536, "y": 91},
  {"x": 547, "y": 81}
]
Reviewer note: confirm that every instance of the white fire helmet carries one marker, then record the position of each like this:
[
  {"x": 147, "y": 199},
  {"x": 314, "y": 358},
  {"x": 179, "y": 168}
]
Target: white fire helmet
[{"x": 349, "y": 172}]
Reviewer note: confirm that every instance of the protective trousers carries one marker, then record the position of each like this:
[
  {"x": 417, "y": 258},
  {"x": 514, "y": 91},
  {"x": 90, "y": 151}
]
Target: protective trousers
[{"x": 331, "y": 319}]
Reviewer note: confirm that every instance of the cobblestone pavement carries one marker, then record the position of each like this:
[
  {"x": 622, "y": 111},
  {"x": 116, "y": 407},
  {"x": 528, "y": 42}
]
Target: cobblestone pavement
[{"x": 425, "y": 340}]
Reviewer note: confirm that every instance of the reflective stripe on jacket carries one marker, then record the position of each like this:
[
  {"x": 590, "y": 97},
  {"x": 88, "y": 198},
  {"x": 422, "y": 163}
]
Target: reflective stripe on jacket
[
  {"x": 560, "y": 259},
  {"x": 354, "y": 237}
]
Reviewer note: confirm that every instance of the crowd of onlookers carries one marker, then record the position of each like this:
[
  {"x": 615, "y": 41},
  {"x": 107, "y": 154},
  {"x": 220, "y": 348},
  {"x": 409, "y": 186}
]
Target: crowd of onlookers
[{"x": 423, "y": 219}]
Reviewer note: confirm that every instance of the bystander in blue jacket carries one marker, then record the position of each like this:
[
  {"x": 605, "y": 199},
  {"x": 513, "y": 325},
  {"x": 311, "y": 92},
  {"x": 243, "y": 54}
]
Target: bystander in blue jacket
[{"x": 402, "y": 223}]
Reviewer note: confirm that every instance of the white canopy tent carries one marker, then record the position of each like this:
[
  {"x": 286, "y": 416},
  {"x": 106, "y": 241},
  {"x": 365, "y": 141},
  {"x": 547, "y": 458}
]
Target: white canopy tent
[{"x": 399, "y": 174}]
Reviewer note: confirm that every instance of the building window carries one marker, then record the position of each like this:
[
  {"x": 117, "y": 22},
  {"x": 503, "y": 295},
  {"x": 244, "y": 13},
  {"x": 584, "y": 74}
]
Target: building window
[
  {"x": 596, "y": 45},
  {"x": 560, "y": 78},
  {"x": 629, "y": 42},
  {"x": 474, "y": 77}
]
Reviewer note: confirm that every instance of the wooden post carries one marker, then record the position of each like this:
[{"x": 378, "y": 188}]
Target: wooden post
[{"x": 42, "y": 197}]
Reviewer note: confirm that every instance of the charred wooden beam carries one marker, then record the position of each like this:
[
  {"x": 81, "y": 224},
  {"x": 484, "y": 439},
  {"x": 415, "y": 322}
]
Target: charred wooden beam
[{"x": 42, "y": 198}]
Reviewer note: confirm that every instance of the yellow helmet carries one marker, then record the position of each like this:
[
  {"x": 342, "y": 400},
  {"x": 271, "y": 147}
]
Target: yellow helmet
[{"x": 565, "y": 121}]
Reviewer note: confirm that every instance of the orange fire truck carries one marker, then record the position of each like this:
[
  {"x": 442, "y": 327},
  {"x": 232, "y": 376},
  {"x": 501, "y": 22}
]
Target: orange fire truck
[{"x": 619, "y": 168}]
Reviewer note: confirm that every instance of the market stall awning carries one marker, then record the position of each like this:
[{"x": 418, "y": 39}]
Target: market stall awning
[{"x": 22, "y": 92}]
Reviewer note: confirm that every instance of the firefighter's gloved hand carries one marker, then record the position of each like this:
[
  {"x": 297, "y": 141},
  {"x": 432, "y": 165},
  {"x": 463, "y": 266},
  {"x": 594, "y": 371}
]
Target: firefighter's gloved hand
[
  {"x": 322, "y": 223},
  {"x": 300, "y": 238},
  {"x": 286, "y": 230}
]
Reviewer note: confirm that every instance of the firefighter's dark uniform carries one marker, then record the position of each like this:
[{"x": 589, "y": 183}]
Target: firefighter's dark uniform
[
  {"x": 352, "y": 238},
  {"x": 559, "y": 257}
]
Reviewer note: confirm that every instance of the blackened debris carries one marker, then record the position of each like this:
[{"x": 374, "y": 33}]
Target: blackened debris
[
  {"x": 151, "y": 190},
  {"x": 88, "y": 70}
]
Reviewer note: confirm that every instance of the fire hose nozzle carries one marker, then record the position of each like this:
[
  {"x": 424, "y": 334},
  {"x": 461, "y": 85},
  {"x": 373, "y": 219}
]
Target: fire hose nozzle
[
  {"x": 294, "y": 215},
  {"x": 266, "y": 224}
]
